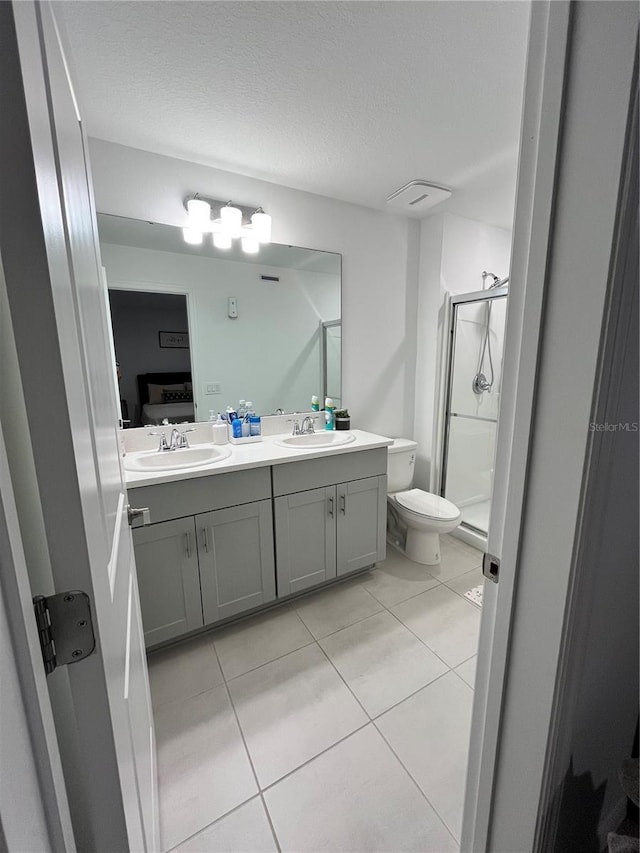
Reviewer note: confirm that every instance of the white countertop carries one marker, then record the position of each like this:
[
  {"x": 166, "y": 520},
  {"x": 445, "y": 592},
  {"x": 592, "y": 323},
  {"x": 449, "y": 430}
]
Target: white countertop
[{"x": 258, "y": 455}]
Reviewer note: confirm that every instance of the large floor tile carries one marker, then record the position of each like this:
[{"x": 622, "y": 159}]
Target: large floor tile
[
  {"x": 398, "y": 578},
  {"x": 454, "y": 560},
  {"x": 467, "y": 581},
  {"x": 203, "y": 768},
  {"x": 355, "y": 797},
  {"x": 381, "y": 661},
  {"x": 245, "y": 830},
  {"x": 429, "y": 732},
  {"x": 263, "y": 638},
  {"x": 467, "y": 671},
  {"x": 328, "y": 611},
  {"x": 292, "y": 709},
  {"x": 443, "y": 620},
  {"x": 184, "y": 670}
]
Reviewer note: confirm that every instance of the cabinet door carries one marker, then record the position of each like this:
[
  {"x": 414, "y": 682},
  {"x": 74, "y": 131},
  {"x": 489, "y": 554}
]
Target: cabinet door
[
  {"x": 305, "y": 539},
  {"x": 168, "y": 579},
  {"x": 361, "y": 523},
  {"x": 235, "y": 548}
]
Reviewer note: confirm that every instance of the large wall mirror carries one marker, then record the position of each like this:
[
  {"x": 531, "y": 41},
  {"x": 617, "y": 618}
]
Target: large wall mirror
[{"x": 181, "y": 351}]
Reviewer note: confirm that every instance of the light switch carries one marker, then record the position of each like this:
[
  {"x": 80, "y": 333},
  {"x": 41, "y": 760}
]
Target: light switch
[
  {"x": 232, "y": 307},
  {"x": 212, "y": 388}
]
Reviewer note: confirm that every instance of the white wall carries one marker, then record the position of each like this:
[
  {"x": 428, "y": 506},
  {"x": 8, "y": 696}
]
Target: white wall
[
  {"x": 269, "y": 354},
  {"x": 379, "y": 270},
  {"x": 454, "y": 251}
]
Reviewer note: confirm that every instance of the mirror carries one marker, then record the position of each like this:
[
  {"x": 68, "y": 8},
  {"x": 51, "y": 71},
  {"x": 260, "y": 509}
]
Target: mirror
[{"x": 283, "y": 346}]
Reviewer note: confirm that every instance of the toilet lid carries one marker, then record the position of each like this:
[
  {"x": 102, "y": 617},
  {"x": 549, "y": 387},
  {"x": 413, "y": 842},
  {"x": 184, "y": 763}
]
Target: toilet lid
[{"x": 424, "y": 503}]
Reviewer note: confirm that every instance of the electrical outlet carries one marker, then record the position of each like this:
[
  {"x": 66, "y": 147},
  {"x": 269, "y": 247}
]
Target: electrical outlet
[{"x": 212, "y": 388}]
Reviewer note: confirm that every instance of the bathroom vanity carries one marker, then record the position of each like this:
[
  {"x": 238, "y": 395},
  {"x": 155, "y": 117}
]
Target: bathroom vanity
[{"x": 260, "y": 525}]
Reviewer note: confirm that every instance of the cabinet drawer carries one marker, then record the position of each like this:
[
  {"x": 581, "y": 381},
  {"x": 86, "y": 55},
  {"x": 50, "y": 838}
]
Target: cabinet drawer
[
  {"x": 204, "y": 494},
  {"x": 329, "y": 471}
]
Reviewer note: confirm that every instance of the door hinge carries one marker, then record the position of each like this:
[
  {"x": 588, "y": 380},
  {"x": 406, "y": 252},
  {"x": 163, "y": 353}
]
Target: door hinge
[
  {"x": 491, "y": 567},
  {"x": 64, "y": 627}
]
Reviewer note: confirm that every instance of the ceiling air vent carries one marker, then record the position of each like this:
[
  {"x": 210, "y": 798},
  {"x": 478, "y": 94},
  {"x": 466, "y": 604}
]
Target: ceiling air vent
[
  {"x": 417, "y": 197},
  {"x": 270, "y": 277}
]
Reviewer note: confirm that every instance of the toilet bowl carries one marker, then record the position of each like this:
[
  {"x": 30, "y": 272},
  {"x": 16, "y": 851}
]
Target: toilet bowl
[{"x": 422, "y": 516}]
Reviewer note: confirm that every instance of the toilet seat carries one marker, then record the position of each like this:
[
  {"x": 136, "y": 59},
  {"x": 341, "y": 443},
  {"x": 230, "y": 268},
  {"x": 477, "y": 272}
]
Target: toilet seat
[{"x": 427, "y": 505}]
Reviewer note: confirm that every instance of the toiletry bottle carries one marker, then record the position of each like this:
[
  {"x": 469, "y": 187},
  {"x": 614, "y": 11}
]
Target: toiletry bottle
[
  {"x": 254, "y": 420},
  {"x": 315, "y": 403},
  {"x": 212, "y": 416},
  {"x": 220, "y": 431},
  {"x": 230, "y": 414},
  {"x": 329, "y": 416},
  {"x": 242, "y": 409},
  {"x": 246, "y": 426},
  {"x": 236, "y": 426}
]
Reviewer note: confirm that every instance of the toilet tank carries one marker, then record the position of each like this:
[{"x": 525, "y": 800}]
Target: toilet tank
[{"x": 401, "y": 464}]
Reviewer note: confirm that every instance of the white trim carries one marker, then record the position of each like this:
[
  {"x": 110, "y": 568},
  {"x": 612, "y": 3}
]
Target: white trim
[
  {"x": 587, "y": 84},
  {"x": 34, "y": 811},
  {"x": 543, "y": 101}
]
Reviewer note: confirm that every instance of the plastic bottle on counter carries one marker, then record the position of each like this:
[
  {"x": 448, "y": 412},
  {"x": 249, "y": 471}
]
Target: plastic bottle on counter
[
  {"x": 220, "y": 431},
  {"x": 242, "y": 409},
  {"x": 315, "y": 403},
  {"x": 329, "y": 414},
  {"x": 255, "y": 427},
  {"x": 236, "y": 428}
]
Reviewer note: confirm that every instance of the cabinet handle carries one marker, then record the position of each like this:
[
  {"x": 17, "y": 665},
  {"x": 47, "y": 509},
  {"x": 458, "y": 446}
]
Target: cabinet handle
[
  {"x": 331, "y": 507},
  {"x": 205, "y": 539},
  {"x": 343, "y": 503},
  {"x": 187, "y": 542}
]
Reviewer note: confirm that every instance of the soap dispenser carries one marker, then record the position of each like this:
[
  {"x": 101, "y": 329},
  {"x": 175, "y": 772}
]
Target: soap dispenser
[{"x": 220, "y": 431}]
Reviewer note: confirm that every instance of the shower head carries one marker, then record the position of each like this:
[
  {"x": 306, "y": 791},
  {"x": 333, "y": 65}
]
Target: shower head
[{"x": 497, "y": 282}]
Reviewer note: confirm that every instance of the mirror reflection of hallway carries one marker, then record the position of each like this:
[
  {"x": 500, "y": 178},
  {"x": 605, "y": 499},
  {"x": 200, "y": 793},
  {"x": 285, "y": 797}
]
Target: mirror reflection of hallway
[{"x": 151, "y": 338}]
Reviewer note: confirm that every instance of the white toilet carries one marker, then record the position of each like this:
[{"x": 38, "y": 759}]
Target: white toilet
[{"x": 415, "y": 518}]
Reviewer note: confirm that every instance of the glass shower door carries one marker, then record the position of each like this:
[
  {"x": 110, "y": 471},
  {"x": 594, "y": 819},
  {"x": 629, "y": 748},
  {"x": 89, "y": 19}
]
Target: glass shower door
[{"x": 473, "y": 399}]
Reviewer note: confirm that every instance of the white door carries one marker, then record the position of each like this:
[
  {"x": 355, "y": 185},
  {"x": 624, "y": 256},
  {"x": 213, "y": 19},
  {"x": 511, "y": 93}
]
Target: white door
[{"x": 53, "y": 279}]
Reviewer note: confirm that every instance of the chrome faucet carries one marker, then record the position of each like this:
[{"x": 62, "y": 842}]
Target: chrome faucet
[
  {"x": 177, "y": 441},
  {"x": 296, "y": 428},
  {"x": 308, "y": 427},
  {"x": 163, "y": 440}
]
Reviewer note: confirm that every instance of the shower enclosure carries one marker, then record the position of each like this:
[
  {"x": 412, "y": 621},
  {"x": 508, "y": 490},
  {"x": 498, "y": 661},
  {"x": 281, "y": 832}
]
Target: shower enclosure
[{"x": 472, "y": 402}]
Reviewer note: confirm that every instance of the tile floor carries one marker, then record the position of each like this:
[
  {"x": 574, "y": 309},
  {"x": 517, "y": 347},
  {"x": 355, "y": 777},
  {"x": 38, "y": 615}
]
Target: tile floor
[{"x": 337, "y": 722}]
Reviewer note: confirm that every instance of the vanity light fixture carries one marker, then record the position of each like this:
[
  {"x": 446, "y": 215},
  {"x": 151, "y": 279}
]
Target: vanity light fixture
[{"x": 226, "y": 222}]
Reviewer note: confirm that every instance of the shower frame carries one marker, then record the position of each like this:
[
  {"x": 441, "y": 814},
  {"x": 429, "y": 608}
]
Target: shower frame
[{"x": 443, "y": 415}]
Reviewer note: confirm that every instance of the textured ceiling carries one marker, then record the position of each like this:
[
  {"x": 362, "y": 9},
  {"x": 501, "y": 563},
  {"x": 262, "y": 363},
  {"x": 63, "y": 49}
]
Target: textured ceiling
[{"x": 346, "y": 99}]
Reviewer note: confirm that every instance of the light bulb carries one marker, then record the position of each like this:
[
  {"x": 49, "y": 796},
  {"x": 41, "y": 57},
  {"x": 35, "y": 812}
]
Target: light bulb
[
  {"x": 199, "y": 213},
  {"x": 261, "y": 225},
  {"x": 221, "y": 241},
  {"x": 250, "y": 245},
  {"x": 231, "y": 218},
  {"x": 192, "y": 235}
]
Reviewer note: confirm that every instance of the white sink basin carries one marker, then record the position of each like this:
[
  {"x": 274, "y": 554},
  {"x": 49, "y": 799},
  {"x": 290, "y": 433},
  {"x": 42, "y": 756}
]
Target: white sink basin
[
  {"x": 174, "y": 460},
  {"x": 317, "y": 439}
]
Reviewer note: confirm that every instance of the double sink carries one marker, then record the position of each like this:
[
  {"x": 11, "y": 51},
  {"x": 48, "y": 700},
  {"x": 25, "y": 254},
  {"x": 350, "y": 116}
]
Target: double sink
[{"x": 196, "y": 457}]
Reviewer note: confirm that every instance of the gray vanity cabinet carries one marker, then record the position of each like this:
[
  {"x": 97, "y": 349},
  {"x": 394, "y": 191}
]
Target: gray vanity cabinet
[
  {"x": 168, "y": 579},
  {"x": 305, "y": 539},
  {"x": 333, "y": 529},
  {"x": 361, "y": 523},
  {"x": 235, "y": 548}
]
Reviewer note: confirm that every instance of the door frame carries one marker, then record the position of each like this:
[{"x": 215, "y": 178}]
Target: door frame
[{"x": 577, "y": 94}]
